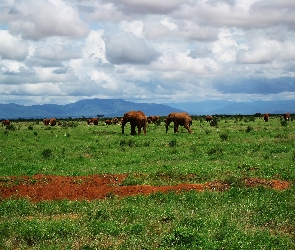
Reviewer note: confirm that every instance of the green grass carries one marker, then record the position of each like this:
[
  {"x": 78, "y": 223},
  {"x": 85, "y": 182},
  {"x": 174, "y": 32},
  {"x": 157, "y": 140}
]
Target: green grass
[
  {"x": 234, "y": 148},
  {"x": 237, "y": 219}
]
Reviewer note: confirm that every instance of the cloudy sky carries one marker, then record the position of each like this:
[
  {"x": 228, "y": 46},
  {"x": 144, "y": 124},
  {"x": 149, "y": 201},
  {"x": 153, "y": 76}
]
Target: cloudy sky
[{"x": 61, "y": 51}]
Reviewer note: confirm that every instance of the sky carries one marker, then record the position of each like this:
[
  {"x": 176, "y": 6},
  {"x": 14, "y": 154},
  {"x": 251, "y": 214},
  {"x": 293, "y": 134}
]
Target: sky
[{"x": 62, "y": 51}]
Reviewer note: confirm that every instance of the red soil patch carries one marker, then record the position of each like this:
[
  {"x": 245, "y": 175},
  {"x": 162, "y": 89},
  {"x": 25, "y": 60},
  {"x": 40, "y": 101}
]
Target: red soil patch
[
  {"x": 48, "y": 187},
  {"x": 275, "y": 184}
]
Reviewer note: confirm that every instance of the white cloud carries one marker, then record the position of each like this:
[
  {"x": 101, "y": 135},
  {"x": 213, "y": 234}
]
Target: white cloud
[
  {"x": 12, "y": 47},
  {"x": 45, "y": 18},
  {"x": 128, "y": 49},
  {"x": 145, "y": 50}
]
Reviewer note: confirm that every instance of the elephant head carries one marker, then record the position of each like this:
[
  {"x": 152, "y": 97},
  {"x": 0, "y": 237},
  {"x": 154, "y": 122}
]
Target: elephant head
[
  {"x": 125, "y": 119},
  {"x": 170, "y": 118}
]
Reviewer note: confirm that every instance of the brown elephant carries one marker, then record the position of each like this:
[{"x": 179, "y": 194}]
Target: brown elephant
[
  {"x": 209, "y": 118},
  {"x": 108, "y": 122},
  {"x": 46, "y": 121},
  {"x": 287, "y": 116},
  {"x": 179, "y": 119},
  {"x": 93, "y": 121},
  {"x": 5, "y": 122},
  {"x": 52, "y": 121},
  {"x": 266, "y": 117},
  {"x": 153, "y": 119},
  {"x": 137, "y": 119}
]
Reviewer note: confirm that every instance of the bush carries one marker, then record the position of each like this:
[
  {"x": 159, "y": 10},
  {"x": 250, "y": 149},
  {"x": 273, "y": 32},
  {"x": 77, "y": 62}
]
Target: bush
[
  {"x": 181, "y": 236},
  {"x": 30, "y": 127},
  {"x": 10, "y": 127},
  {"x": 249, "y": 129},
  {"x": 47, "y": 153},
  {"x": 214, "y": 122},
  {"x": 173, "y": 143},
  {"x": 223, "y": 136},
  {"x": 284, "y": 123}
]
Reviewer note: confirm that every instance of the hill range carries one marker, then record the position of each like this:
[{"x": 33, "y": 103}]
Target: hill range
[
  {"x": 117, "y": 107},
  {"x": 83, "y": 108}
]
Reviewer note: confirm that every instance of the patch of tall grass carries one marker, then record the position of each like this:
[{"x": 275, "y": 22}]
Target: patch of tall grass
[{"x": 239, "y": 218}]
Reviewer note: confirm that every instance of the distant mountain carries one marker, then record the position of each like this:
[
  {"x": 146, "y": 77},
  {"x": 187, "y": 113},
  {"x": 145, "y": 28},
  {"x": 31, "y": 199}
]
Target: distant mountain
[
  {"x": 117, "y": 107},
  {"x": 232, "y": 108},
  {"x": 86, "y": 108}
]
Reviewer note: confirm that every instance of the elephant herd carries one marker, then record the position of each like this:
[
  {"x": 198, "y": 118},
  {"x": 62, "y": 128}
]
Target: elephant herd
[{"x": 138, "y": 119}]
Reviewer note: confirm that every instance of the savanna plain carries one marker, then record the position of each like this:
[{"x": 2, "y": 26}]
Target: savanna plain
[{"x": 228, "y": 185}]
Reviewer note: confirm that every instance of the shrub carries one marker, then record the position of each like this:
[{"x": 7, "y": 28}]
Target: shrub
[
  {"x": 181, "y": 236},
  {"x": 10, "y": 127},
  {"x": 158, "y": 122},
  {"x": 249, "y": 129},
  {"x": 214, "y": 122},
  {"x": 129, "y": 143},
  {"x": 215, "y": 150},
  {"x": 173, "y": 143},
  {"x": 223, "y": 136},
  {"x": 30, "y": 127},
  {"x": 284, "y": 123},
  {"x": 47, "y": 153}
]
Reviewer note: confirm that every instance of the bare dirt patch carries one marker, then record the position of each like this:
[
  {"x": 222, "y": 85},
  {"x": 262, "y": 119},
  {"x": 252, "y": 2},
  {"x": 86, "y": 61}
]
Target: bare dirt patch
[{"x": 49, "y": 187}]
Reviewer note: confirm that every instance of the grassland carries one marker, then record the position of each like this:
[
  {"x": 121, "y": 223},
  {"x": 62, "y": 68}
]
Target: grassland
[{"x": 238, "y": 218}]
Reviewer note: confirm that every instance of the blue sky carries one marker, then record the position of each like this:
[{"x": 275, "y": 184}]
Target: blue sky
[{"x": 61, "y": 51}]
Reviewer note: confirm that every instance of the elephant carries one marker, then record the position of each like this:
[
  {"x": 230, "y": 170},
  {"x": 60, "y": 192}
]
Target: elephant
[
  {"x": 93, "y": 121},
  {"x": 115, "y": 120},
  {"x": 209, "y": 118},
  {"x": 287, "y": 116},
  {"x": 46, "y": 121},
  {"x": 182, "y": 119},
  {"x": 52, "y": 122},
  {"x": 137, "y": 119},
  {"x": 266, "y": 117},
  {"x": 5, "y": 122},
  {"x": 153, "y": 119},
  {"x": 108, "y": 122}
]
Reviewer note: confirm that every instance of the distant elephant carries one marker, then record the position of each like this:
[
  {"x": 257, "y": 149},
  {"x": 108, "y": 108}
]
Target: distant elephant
[
  {"x": 287, "y": 116},
  {"x": 179, "y": 119},
  {"x": 93, "y": 121},
  {"x": 52, "y": 122},
  {"x": 46, "y": 121},
  {"x": 5, "y": 122},
  {"x": 115, "y": 120},
  {"x": 137, "y": 119},
  {"x": 153, "y": 119},
  {"x": 209, "y": 118},
  {"x": 108, "y": 122},
  {"x": 266, "y": 117}
]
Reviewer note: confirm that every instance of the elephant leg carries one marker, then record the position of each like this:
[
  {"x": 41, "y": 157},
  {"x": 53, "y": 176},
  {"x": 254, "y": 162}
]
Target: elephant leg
[
  {"x": 188, "y": 129},
  {"x": 144, "y": 129},
  {"x": 187, "y": 126},
  {"x": 175, "y": 127},
  {"x": 133, "y": 132},
  {"x": 139, "y": 130}
]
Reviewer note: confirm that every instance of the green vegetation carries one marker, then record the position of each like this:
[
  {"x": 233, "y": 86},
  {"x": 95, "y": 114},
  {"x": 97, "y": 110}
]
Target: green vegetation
[{"x": 233, "y": 148}]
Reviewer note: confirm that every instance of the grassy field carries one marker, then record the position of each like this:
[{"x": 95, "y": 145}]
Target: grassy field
[{"x": 235, "y": 148}]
